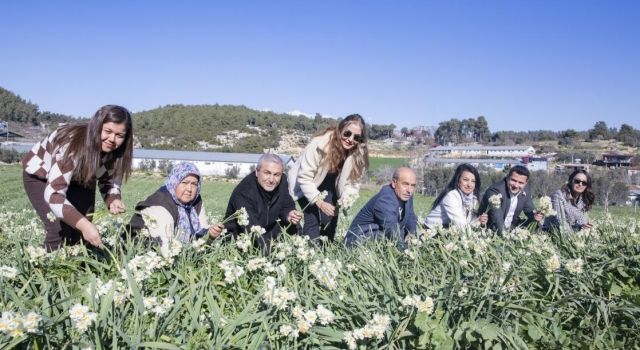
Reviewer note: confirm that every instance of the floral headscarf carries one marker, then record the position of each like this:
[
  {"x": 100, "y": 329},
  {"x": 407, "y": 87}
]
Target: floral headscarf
[{"x": 188, "y": 221}]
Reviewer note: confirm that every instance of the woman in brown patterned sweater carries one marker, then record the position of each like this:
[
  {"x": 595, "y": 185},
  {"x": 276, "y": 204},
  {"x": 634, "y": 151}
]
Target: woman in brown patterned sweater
[{"x": 61, "y": 171}]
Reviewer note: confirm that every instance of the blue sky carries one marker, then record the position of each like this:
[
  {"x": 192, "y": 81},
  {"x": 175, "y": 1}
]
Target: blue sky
[{"x": 524, "y": 65}]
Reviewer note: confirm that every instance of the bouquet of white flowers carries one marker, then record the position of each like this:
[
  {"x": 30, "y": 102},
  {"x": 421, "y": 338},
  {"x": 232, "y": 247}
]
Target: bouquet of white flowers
[
  {"x": 545, "y": 207},
  {"x": 495, "y": 200}
]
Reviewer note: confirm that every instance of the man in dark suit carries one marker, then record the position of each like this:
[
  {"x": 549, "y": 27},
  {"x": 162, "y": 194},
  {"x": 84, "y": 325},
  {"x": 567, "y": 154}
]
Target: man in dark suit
[
  {"x": 506, "y": 199},
  {"x": 389, "y": 213}
]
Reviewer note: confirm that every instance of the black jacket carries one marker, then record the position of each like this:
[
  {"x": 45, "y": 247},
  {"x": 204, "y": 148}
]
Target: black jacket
[
  {"x": 497, "y": 215},
  {"x": 263, "y": 211}
]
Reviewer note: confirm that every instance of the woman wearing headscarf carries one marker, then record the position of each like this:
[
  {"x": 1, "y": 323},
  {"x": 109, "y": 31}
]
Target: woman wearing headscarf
[{"x": 175, "y": 211}]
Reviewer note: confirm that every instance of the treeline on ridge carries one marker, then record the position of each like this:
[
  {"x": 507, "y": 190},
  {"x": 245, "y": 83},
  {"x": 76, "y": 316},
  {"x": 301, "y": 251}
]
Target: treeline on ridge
[{"x": 185, "y": 127}]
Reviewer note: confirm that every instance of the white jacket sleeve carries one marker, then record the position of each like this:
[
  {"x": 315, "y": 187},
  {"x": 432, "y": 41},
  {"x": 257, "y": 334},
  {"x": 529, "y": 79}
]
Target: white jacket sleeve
[
  {"x": 452, "y": 205},
  {"x": 309, "y": 166}
]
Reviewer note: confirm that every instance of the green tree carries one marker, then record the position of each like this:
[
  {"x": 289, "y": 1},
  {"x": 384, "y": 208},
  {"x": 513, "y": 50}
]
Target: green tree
[{"x": 600, "y": 131}]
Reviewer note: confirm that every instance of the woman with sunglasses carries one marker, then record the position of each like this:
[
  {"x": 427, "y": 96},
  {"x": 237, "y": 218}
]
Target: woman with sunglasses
[
  {"x": 333, "y": 162},
  {"x": 571, "y": 203}
]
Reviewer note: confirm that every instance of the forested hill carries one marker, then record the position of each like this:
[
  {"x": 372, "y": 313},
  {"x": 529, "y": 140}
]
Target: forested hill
[
  {"x": 227, "y": 128},
  {"x": 215, "y": 127},
  {"x": 14, "y": 108}
]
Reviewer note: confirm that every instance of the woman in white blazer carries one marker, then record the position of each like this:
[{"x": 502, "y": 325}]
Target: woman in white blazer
[
  {"x": 334, "y": 161},
  {"x": 456, "y": 204}
]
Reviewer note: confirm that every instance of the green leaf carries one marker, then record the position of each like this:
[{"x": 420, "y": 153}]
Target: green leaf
[
  {"x": 489, "y": 331},
  {"x": 158, "y": 345},
  {"x": 533, "y": 332},
  {"x": 615, "y": 289},
  {"x": 622, "y": 272}
]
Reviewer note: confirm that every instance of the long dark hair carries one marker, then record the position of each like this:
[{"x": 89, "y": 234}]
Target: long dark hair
[
  {"x": 453, "y": 184},
  {"x": 588, "y": 197},
  {"x": 336, "y": 154},
  {"x": 85, "y": 144}
]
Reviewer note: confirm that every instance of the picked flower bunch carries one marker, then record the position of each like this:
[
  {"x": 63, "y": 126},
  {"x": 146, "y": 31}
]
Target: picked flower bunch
[
  {"x": 545, "y": 207},
  {"x": 495, "y": 200},
  {"x": 241, "y": 215}
]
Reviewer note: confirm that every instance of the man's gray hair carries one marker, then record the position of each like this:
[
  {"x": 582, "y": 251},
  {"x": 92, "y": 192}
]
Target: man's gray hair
[
  {"x": 396, "y": 174},
  {"x": 270, "y": 157}
]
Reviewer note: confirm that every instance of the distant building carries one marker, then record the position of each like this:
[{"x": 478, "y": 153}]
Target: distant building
[
  {"x": 615, "y": 160},
  {"x": 9, "y": 135},
  {"x": 209, "y": 163},
  {"x": 495, "y": 164},
  {"x": 572, "y": 166},
  {"x": 634, "y": 196},
  {"x": 17, "y": 146},
  {"x": 536, "y": 163},
  {"x": 482, "y": 151}
]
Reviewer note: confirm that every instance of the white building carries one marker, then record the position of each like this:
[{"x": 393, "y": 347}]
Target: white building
[
  {"x": 531, "y": 163},
  {"x": 482, "y": 151},
  {"x": 209, "y": 163},
  {"x": 495, "y": 164}
]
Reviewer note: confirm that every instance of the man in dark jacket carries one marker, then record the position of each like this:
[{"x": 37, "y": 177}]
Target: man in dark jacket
[
  {"x": 389, "y": 213},
  {"x": 506, "y": 199},
  {"x": 265, "y": 196}
]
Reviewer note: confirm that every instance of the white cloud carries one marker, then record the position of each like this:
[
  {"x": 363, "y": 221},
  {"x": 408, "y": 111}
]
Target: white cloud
[{"x": 296, "y": 112}]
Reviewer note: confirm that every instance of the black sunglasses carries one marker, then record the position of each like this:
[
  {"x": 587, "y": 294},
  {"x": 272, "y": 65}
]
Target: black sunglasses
[
  {"x": 357, "y": 138},
  {"x": 579, "y": 182}
]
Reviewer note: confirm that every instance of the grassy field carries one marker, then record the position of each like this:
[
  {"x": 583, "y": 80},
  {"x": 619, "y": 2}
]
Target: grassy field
[
  {"x": 216, "y": 192},
  {"x": 376, "y": 163},
  {"x": 459, "y": 289}
]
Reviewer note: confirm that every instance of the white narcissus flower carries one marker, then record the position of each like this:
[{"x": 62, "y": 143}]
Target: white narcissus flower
[
  {"x": 374, "y": 329},
  {"x": 256, "y": 263},
  {"x": 30, "y": 322},
  {"x": 416, "y": 301},
  {"x": 242, "y": 217},
  {"x": 198, "y": 244},
  {"x": 276, "y": 296},
  {"x": 288, "y": 331},
  {"x": 325, "y": 316},
  {"x": 231, "y": 271},
  {"x": 81, "y": 317},
  {"x": 575, "y": 266},
  {"x": 257, "y": 230},
  {"x": 326, "y": 272},
  {"x": 243, "y": 242},
  {"x": 349, "y": 198},
  {"x": 171, "y": 249},
  {"x": 149, "y": 302},
  {"x": 495, "y": 200},
  {"x": 553, "y": 263},
  {"x": 322, "y": 195},
  {"x": 11, "y": 325},
  {"x": 8, "y": 272},
  {"x": 545, "y": 207},
  {"x": 35, "y": 253},
  {"x": 451, "y": 247}
]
